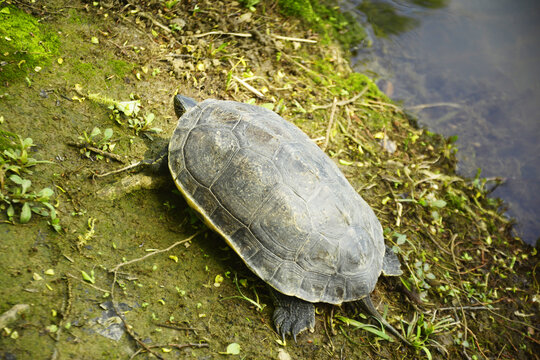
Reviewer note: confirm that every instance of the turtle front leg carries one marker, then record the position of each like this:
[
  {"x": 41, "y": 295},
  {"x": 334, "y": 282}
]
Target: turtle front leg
[{"x": 292, "y": 315}]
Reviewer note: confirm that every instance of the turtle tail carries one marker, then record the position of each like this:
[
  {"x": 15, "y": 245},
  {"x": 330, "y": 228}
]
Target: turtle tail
[{"x": 370, "y": 308}]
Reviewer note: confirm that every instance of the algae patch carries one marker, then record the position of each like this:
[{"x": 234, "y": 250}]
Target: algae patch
[
  {"x": 25, "y": 44},
  {"x": 326, "y": 19}
]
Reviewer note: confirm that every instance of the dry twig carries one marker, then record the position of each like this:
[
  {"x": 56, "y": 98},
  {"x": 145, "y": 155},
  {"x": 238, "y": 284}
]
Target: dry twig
[
  {"x": 115, "y": 269},
  {"x": 128, "y": 328},
  {"x": 330, "y": 125},
  {"x": 244, "y": 35},
  {"x": 287, "y": 38},
  {"x": 249, "y": 87},
  {"x": 98, "y": 151},
  {"x": 344, "y": 102}
]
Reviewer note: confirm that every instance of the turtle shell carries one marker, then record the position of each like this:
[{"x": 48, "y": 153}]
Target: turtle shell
[{"x": 278, "y": 200}]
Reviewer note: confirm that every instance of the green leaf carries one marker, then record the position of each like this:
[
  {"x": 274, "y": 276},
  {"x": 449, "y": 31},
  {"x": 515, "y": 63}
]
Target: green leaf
[
  {"x": 52, "y": 328},
  {"x": 95, "y": 132},
  {"x": 87, "y": 277},
  {"x": 40, "y": 211},
  {"x": 269, "y": 106},
  {"x": 401, "y": 238},
  {"x": 5, "y": 10},
  {"x": 149, "y": 118},
  {"x": 10, "y": 211},
  {"x": 370, "y": 328},
  {"x": 55, "y": 223},
  {"x": 428, "y": 353},
  {"x": 345, "y": 162},
  {"x": 27, "y": 143},
  {"x": 16, "y": 179},
  {"x": 107, "y": 134},
  {"x": 25, "y": 185},
  {"x": 26, "y": 213},
  {"x": 129, "y": 108},
  {"x": 233, "y": 349},
  {"x": 45, "y": 193},
  {"x": 439, "y": 203}
]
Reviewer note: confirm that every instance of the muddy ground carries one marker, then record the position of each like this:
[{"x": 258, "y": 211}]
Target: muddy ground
[{"x": 470, "y": 288}]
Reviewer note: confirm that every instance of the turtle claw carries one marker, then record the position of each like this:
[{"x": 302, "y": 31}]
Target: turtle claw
[{"x": 292, "y": 315}]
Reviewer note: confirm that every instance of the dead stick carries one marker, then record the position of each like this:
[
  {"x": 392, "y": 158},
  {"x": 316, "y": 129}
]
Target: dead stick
[
  {"x": 344, "y": 102},
  {"x": 134, "y": 165},
  {"x": 126, "y": 325},
  {"x": 154, "y": 21},
  {"x": 178, "y": 346},
  {"x": 12, "y": 313},
  {"x": 98, "y": 151},
  {"x": 249, "y": 87},
  {"x": 330, "y": 124},
  {"x": 425, "y": 106},
  {"x": 181, "y": 328},
  {"x": 115, "y": 269},
  {"x": 128, "y": 328},
  {"x": 293, "y": 39},
  {"x": 221, "y": 33},
  {"x": 87, "y": 283}
]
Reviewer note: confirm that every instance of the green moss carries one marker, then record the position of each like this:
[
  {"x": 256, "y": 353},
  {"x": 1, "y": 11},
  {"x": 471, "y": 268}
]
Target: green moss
[
  {"x": 355, "y": 82},
  {"x": 120, "y": 68},
  {"x": 342, "y": 84},
  {"x": 88, "y": 72},
  {"x": 325, "y": 18},
  {"x": 83, "y": 71},
  {"x": 76, "y": 18},
  {"x": 24, "y": 43},
  {"x": 298, "y": 8}
]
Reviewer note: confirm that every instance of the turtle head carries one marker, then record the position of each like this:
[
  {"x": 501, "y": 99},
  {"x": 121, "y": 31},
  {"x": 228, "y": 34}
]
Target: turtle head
[{"x": 182, "y": 104}]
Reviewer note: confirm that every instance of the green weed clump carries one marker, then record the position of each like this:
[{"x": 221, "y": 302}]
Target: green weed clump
[
  {"x": 298, "y": 8},
  {"x": 326, "y": 19},
  {"x": 17, "y": 197},
  {"x": 25, "y": 44}
]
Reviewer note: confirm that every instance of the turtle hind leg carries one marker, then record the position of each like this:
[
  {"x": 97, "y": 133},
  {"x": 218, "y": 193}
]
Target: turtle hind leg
[
  {"x": 391, "y": 265},
  {"x": 370, "y": 308},
  {"x": 292, "y": 315}
]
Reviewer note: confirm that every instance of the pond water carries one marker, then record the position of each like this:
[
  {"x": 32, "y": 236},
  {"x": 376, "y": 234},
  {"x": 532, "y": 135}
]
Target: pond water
[{"x": 469, "y": 68}]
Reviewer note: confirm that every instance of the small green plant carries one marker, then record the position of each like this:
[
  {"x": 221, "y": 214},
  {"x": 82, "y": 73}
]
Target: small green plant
[
  {"x": 255, "y": 302},
  {"x": 143, "y": 124},
  {"x": 379, "y": 332},
  {"x": 221, "y": 48},
  {"x": 420, "y": 276},
  {"x": 419, "y": 332},
  {"x": 250, "y": 4},
  {"x": 175, "y": 27},
  {"x": 95, "y": 141},
  {"x": 170, "y": 3},
  {"x": 125, "y": 109},
  {"x": 16, "y": 196},
  {"x": 19, "y": 200},
  {"x": 15, "y": 157}
]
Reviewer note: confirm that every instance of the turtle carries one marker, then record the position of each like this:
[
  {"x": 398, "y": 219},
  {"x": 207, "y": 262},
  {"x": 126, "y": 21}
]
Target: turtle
[{"x": 282, "y": 205}]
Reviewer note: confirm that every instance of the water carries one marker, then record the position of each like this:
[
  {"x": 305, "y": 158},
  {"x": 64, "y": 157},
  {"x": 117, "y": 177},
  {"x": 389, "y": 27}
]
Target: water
[{"x": 481, "y": 58}]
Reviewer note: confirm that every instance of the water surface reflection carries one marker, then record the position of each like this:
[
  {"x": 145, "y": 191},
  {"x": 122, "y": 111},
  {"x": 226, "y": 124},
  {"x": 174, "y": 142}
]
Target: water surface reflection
[{"x": 482, "y": 57}]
